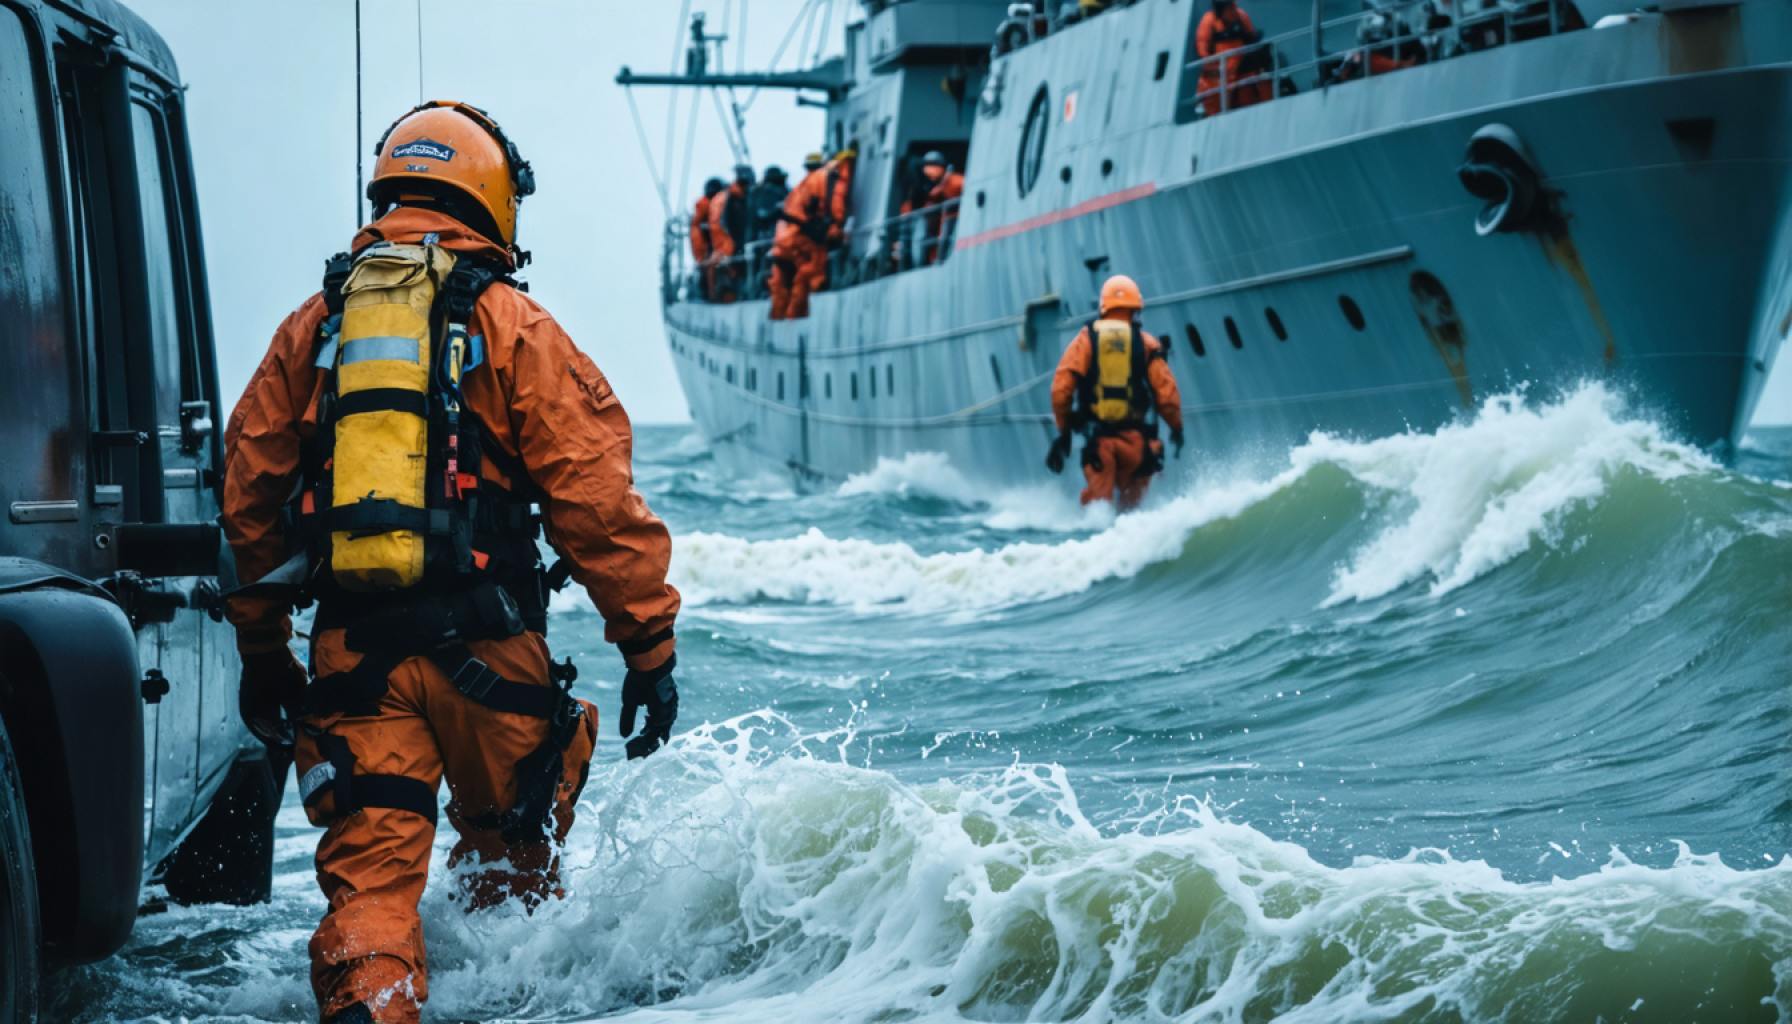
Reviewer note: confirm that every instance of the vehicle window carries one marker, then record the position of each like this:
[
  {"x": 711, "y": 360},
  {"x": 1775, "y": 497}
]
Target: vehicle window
[
  {"x": 162, "y": 257},
  {"x": 39, "y": 378}
]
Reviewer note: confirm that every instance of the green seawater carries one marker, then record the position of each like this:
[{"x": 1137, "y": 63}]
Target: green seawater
[{"x": 1485, "y": 724}]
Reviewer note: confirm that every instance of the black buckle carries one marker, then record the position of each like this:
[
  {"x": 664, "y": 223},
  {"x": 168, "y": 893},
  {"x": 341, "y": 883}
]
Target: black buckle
[{"x": 475, "y": 679}]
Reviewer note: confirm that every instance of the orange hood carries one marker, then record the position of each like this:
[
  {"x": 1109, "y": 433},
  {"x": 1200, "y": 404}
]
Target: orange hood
[{"x": 408, "y": 224}]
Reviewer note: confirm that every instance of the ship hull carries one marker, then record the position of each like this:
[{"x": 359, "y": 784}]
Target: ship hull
[{"x": 1336, "y": 286}]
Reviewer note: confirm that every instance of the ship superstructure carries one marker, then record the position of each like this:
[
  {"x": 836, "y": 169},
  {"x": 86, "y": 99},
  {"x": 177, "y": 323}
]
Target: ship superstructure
[{"x": 1549, "y": 193}]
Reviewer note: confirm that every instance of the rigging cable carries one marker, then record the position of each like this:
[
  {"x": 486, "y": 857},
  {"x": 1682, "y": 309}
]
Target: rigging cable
[
  {"x": 672, "y": 94},
  {"x": 778, "y": 54},
  {"x": 734, "y": 145},
  {"x": 690, "y": 145},
  {"x": 419, "y": 52},
  {"x": 360, "y": 171},
  {"x": 659, "y": 183},
  {"x": 827, "y": 24}
]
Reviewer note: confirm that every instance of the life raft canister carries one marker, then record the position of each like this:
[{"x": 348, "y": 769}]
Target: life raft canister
[
  {"x": 379, "y": 498},
  {"x": 1117, "y": 390}
]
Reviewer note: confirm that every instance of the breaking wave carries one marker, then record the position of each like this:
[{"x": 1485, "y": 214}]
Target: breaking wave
[
  {"x": 1440, "y": 509},
  {"x": 746, "y": 875}
]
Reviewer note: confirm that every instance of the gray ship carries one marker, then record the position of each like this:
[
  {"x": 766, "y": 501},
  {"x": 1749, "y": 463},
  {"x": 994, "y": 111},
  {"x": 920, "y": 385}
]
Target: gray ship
[{"x": 1435, "y": 206}]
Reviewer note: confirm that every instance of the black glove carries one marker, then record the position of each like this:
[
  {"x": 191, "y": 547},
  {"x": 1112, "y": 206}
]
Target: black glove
[
  {"x": 270, "y": 695},
  {"x": 659, "y": 693},
  {"x": 1054, "y": 459},
  {"x": 1176, "y": 439}
]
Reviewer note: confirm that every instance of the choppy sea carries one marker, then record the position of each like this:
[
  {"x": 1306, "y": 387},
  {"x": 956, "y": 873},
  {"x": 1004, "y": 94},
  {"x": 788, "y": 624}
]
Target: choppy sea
[{"x": 1487, "y": 724}]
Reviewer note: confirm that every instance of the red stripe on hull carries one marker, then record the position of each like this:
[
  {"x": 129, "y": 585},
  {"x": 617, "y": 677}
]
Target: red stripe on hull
[{"x": 1088, "y": 206}]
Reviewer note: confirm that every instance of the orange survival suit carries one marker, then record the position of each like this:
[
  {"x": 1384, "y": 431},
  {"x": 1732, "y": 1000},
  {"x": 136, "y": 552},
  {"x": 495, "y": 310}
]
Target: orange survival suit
[
  {"x": 813, "y": 223},
  {"x": 382, "y": 723},
  {"x": 1121, "y": 453},
  {"x": 726, "y": 212},
  {"x": 1225, "y": 28}
]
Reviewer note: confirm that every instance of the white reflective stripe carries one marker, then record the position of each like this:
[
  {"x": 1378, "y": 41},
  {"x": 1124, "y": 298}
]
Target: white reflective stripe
[
  {"x": 315, "y": 779},
  {"x": 385, "y": 346}
]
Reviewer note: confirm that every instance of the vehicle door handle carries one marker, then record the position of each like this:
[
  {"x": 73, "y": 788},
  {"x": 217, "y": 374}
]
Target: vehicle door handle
[{"x": 195, "y": 425}]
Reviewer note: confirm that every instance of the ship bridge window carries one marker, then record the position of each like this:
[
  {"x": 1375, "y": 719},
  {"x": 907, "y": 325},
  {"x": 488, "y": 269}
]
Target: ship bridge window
[
  {"x": 1275, "y": 323},
  {"x": 890, "y": 379},
  {"x": 729, "y": 376},
  {"x": 752, "y": 379},
  {"x": 852, "y": 381},
  {"x": 827, "y": 385},
  {"x": 1194, "y": 339},
  {"x": 1032, "y": 142},
  {"x": 780, "y": 385},
  {"x": 871, "y": 379},
  {"x": 1232, "y": 333},
  {"x": 1352, "y": 312},
  {"x": 1163, "y": 65}
]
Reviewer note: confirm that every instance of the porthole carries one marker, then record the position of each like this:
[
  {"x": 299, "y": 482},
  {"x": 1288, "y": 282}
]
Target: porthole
[
  {"x": 852, "y": 380},
  {"x": 1032, "y": 142},
  {"x": 1064, "y": 174},
  {"x": 1352, "y": 312},
  {"x": 1194, "y": 339},
  {"x": 890, "y": 379},
  {"x": 1232, "y": 334},
  {"x": 980, "y": 198},
  {"x": 1163, "y": 65},
  {"x": 871, "y": 380},
  {"x": 1275, "y": 323},
  {"x": 827, "y": 385},
  {"x": 1107, "y": 168}
]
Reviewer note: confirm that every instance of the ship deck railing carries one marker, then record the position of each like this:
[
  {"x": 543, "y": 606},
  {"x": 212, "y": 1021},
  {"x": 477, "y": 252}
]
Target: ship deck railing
[
  {"x": 893, "y": 245},
  {"x": 1408, "y": 34}
]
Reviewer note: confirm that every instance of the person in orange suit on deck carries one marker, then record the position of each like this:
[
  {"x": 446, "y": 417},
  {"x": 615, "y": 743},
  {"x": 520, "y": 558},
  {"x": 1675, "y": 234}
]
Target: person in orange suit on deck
[
  {"x": 700, "y": 243},
  {"x": 945, "y": 188},
  {"x": 438, "y": 669},
  {"x": 729, "y": 220},
  {"x": 813, "y": 224},
  {"x": 1223, "y": 29},
  {"x": 1109, "y": 379}
]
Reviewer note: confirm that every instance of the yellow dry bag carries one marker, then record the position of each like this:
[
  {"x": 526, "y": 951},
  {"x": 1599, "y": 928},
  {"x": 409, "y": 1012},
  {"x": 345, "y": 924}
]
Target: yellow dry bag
[
  {"x": 1117, "y": 390},
  {"x": 380, "y": 513}
]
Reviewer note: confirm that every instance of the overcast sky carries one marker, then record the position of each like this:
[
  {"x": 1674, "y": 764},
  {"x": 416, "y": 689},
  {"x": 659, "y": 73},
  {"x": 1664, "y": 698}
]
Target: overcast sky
[{"x": 272, "y": 108}]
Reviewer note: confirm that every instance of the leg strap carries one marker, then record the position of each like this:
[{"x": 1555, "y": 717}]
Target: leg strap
[
  {"x": 357, "y": 692},
  {"x": 336, "y": 776},
  {"x": 480, "y": 683}
]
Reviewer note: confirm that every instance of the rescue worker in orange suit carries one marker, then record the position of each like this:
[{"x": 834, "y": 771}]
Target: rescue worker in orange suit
[
  {"x": 1110, "y": 376},
  {"x": 729, "y": 221},
  {"x": 1223, "y": 29},
  {"x": 813, "y": 225},
  {"x": 700, "y": 243},
  {"x": 432, "y": 663},
  {"x": 948, "y": 189}
]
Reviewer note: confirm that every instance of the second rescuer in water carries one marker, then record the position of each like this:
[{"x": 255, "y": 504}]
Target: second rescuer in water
[
  {"x": 420, "y": 407},
  {"x": 1109, "y": 380}
]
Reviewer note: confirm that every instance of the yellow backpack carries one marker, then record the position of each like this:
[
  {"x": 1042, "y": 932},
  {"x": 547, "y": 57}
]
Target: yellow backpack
[{"x": 1115, "y": 387}]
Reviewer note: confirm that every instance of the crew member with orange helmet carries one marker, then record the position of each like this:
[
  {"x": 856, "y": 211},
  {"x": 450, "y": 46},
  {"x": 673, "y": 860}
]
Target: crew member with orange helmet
[
  {"x": 1110, "y": 377},
  {"x": 1223, "y": 29},
  {"x": 729, "y": 221},
  {"x": 700, "y": 240},
  {"x": 422, "y": 408},
  {"x": 813, "y": 224},
  {"x": 943, "y": 188}
]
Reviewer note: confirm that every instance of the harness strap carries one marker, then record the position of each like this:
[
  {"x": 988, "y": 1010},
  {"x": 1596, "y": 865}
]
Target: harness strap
[
  {"x": 354, "y": 792},
  {"x": 378, "y": 515},
  {"x": 646, "y": 643},
  {"x": 356, "y": 692},
  {"x": 482, "y": 684}
]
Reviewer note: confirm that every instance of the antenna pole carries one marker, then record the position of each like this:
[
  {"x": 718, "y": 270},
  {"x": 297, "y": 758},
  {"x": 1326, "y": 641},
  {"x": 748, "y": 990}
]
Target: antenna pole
[{"x": 360, "y": 171}]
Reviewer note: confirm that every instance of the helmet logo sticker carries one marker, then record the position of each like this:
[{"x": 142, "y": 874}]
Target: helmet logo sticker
[{"x": 429, "y": 149}]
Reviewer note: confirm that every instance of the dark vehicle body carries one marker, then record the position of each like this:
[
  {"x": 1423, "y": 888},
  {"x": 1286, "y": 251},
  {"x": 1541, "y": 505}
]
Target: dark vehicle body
[{"x": 117, "y": 672}]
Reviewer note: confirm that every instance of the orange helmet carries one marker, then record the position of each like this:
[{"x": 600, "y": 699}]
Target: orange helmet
[
  {"x": 1121, "y": 292},
  {"x": 458, "y": 145}
]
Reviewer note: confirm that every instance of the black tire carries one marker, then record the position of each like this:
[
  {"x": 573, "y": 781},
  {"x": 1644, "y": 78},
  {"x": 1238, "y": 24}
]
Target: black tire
[
  {"x": 229, "y": 855},
  {"x": 21, "y": 936}
]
